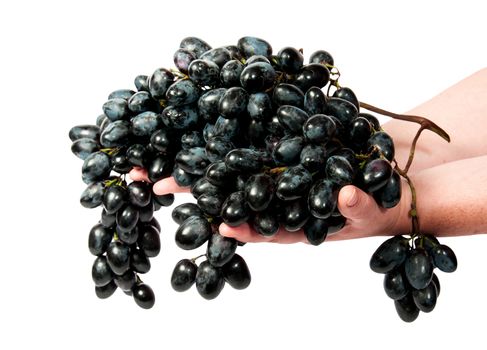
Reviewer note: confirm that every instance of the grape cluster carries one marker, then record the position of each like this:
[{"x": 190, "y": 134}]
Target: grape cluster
[
  {"x": 127, "y": 234},
  {"x": 409, "y": 278},
  {"x": 259, "y": 137}
]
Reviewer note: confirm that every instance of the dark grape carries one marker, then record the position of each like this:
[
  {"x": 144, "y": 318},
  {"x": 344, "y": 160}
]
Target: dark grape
[
  {"x": 183, "y": 275},
  {"x": 195, "y": 45},
  {"x": 406, "y": 308},
  {"x": 322, "y": 199},
  {"x": 127, "y": 218},
  {"x": 295, "y": 215},
  {"x": 204, "y": 72},
  {"x": 220, "y": 249},
  {"x": 124, "y": 94},
  {"x": 126, "y": 281},
  {"x": 211, "y": 204},
  {"x": 319, "y": 129},
  {"x": 182, "y": 92},
  {"x": 376, "y": 174},
  {"x": 288, "y": 151},
  {"x": 311, "y": 75},
  {"x": 118, "y": 257},
  {"x": 208, "y": 104},
  {"x": 347, "y": 94},
  {"x": 313, "y": 157},
  {"x": 139, "y": 261},
  {"x": 236, "y": 272},
  {"x": 182, "y": 59},
  {"x": 101, "y": 272},
  {"x": 139, "y": 193},
  {"x": 321, "y": 57},
  {"x": 243, "y": 160},
  {"x": 106, "y": 291},
  {"x": 390, "y": 254},
  {"x": 91, "y": 132},
  {"x": 235, "y": 210},
  {"x": 250, "y": 46},
  {"x": 292, "y": 118},
  {"x": 425, "y": 299},
  {"x": 444, "y": 258},
  {"x": 233, "y": 102},
  {"x": 116, "y": 109},
  {"x": 290, "y": 60},
  {"x": 418, "y": 268},
  {"x": 230, "y": 73},
  {"x": 82, "y": 148},
  {"x": 184, "y": 211},
  {"x": 259, "y": 191},
  {"x": 314, "y": 101},
  {"x": 316, "y": 230},
  {"x": 96, "y": 167},
  {"x": 342, "y": 109},
  {"x": 288, "y": 94},
  {"x": 193, "y": 232},
  {"x": 143, "y": 296},
  {"x": 389, "y": 195},
  {"x": 293, "y": 183},
  {"x": 116, "y": 134},
  {"x": 180, "y": 117},
  {"x": 339, "y": 171},
  {"x": 159, "y": 82},
  {"x": 382, "y": 143},
  {"x": 92, "y": 196},
  {"x": 141, "y": 82},
  {"x": 257, "y": 77},
  {"x": 209, "y": 280},
  {"x": 395, "y": 284},
  {"x": 259, "y": 106},
  {"x": 141, "y": 102},
  {"x": 266, "y": 223}
]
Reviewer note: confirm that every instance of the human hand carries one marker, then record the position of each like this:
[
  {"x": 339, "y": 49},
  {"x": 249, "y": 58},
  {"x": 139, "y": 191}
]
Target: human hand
[{"x": 364, "y": 217}]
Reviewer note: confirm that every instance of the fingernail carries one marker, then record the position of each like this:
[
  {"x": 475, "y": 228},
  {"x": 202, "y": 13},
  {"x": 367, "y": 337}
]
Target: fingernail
[{"x": 352, "y": 201}]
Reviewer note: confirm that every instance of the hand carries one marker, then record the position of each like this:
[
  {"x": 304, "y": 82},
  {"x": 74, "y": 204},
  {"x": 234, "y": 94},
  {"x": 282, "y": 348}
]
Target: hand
[{"x": 364, "y": 217}]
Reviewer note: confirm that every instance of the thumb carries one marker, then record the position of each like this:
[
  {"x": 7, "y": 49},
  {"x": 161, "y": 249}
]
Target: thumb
[{"x": 355, "y": 204}]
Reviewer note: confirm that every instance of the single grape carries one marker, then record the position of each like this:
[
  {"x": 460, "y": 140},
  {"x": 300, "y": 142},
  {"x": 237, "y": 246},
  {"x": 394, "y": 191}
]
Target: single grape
[
  {"x": 290, "y": 60},
  {"x": 219, "y": 175},
  {"x": 195, "y": 45},
  {"x": 339, "y": 171},
  {"x": 106, "y": 291},
  {"x": 316, "y": 230},
  {"x": 139, "y": 261},
  {"x": 124, "y": 94},
  {"x": 141, "y": 102},
  {"x": 158, "y": 168},
  {"x": 118, "y": 257},
  {"x": 319, "y": 129},
  {"x": 101, "y": 272},
  {"x": 161, "y": 140},
  {"x": 250, "y": 46},
  {"x": 204, "y": 72},
  {"x": 292, "y": 118},
  {"x": 295, "y": 214},
  {"x": 322, "y": 199},
  {"x": 311, "y": 75},
  {"x": 259, "y": 106},
  {"x": 390, "y": 254},
  {"x": 82, "y": 148},
  {"x": 182, "y": 92},
  {"x": 159, "y": 82},
  {"x": 183, "y": 275},
  {"x": 347, "y": 94},
  {"x": 257, "y": 77},
  {"x": 182, "y": 59},
  {"x": 193, "y": 232},
  {"x": 220, "y": 249},
  {"x": 211, "y": 204},
  {"x": 293, "y": 183},
  {"x": 418, "y": 268},
  {"x": 313, "y": 157},
  {"x": 389, "y": 195},
  {"x": 425, "y": 299},
  {"x": 180, "y": 117},
  {"x": 382, "y": 143},
  {"x": 193, "y": 160},
  {"x": 322, "y": 57},
  {"x": 243, "y": 160},
  {"x": 146, "y": 213},
  {"x": 208, "y": 104},
  {"x": 209, "y": 280},
  {"x": 444, "y": 258},
  {"x": 126, "y": 281},
  {"x": 396, "y": 285},
  {"x": 233, "y": 103},
  {"x": 141, "y": 82},
  {"x": 342, "y": 109},
  {"x": 266, "y": 223},
  {"x": 236, "y": 272},
  {"x": 235, "y": 210},
  {"x": 128, "y": 237},
  {"x": 314, "y": 101},
  {"x": 149, "y": 241},
  {"x": 139, "y": 193},
  {"x": 116, "y": 109},
  {"x": 406, "y": 308},
  {"x": 127, "y": 218},
  {"x": 91, "y": 132},
  {"x": 376, "y": 174},
  {"x": 288, "y": 151},
  {"x": 165, "y": 200},
  {"x": 288, "y": 94},
  {"x": 92, "y": 196},
  {"x": 116, "y": 134},
  {"x": 230, "y": 73},
  {"x": 95, "y": 167},
  {"x": 143, "y": 296},
  {"x": 259, "y": 191}
]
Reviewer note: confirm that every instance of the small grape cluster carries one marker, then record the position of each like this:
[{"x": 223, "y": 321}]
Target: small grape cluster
[
  {"x": 409, "y": 278},
  {"x": 127, "y": 234},
  {"x": 259, "y": 138}
]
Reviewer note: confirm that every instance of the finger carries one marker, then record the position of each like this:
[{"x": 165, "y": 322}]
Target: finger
[
  {"x": 139, "y": 174},
  {"x": 244, "y": 233},
  {"x": 356, "y": 205},
  {"x": 168, "y": 185}
]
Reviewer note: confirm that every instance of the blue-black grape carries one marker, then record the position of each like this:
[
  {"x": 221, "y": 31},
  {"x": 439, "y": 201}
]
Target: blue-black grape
[
  {"x": 182, "y": 59},
  {"x": 418, "y": 268},
  {"x": 347, "y": 94},
  {"x": 425, "y": 299},
  {"x": 323, "y": 198},
  {"x": 92, "y": 196},
  {"x": 149, "y": 241},
  {"x": 444, "y": 258},
  {"x": 233, "y": 103},
  {"x": 314, "y": 101},
  {"x": 141, "y": 82},
  {"x": 141, "y": 102},
  {"x": 159, "y": 82},
  {"x": 235, "y": 210},
  {"x": 116, "y": 134},
  {"x": 114, "y": 198},
  {"x": 193, "y": 232},
  {"x": 339, "y": 171},
  {"x": 183, "y": 275},
  {"x": 292, "y": 118},
  {"x": 220, "y": 249},
  {"x": 288, "y": 151},
  {"x": 257, "y": 77},
  {"x": 259, "y": 191},
  {"x": 101, "y": 272},
  {"x": 259, "y": 106},
  {"x": 343, "y": 110},
  {"x": 230, "y": 73},
  {"x": 236, "y": 272},
  {"x": 118, "y": 257},
  {"x": 376, "y": 174},
  {"x": 288, "y": 94},
  {"x": 290, "y": 60},
  {"x": 96, "y": 167},
  {"x": 208, "y": 104},
  {"x": 126, "y": 281},
  {"x": 316, "y": 230},
  {"x": 382, "y": 143},
  {"x": 180, "y": 117},
  {"x": 209, "y": 280},
  {"x": 82, "y": 148},
  {"x": 319, "y": 129},
  {"x": 106, "y": 291},
  {"x": 266, "y": 223},
  {"x": 293, "y": 183},
  {"x": 182, "y": 92},
  {"x": 321, "y": 57},
  {"x": 295, "y": 214},
  {"x": 211, "y": 204},
  {"x": 244, "y": 160},
  {"x": 127, "y": 218},
  {"x": 250, "y": 46},
  {"x": 204, "y": 72},
  {"x": 184, "y": 211},
  {"x": 406, "y": 308},
  {"x": 396, "y": 285},
  {"x": 143, "y": 296},
  {"x": 390, "y": 254},
  {"x": 195, "y": 45},
  {"x": 313, "y": 157},
  {"x": 311, "y": 75},
  {"x": 144, "y": 124},
  {"x": 219, "y": 56},
  {"x": 86, "y": 131},
  {"x": 193, "y": 160},
  {"x": 99, "y": 239},
  {"x": 389, "y": 195},
  {"x": 124, "y": 94},
  {"x": 116, "y": 109}
]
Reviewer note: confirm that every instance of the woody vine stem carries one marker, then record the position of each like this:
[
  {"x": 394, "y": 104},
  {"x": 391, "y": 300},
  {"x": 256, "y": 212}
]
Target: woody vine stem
[{"x": 425, "y": 124}]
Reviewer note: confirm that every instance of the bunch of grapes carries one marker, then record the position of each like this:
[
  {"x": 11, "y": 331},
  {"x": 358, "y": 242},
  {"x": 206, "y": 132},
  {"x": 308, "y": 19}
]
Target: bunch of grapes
[
  {"x": 259, "y": 138},
  {"x": 408, "y": 265}
]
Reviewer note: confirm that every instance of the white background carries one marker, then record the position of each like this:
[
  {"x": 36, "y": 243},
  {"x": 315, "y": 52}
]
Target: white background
[{"x": 60, "y": 60}]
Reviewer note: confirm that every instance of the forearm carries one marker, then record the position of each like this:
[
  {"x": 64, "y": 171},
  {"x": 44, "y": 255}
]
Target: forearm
[
  {"x": 451, "y": 199},
  {"x": 461, "y": 110}
]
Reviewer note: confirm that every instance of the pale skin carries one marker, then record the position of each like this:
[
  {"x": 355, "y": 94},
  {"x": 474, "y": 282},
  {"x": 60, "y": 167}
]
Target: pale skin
[{"x": 450, "y": 178}]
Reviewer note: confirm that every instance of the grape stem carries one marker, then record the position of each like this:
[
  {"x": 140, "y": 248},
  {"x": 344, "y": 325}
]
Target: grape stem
[
  {"x": 197, "y": 257},
  {"x": 422, "y": 121},
  {"x": 425, "y": 124}
]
